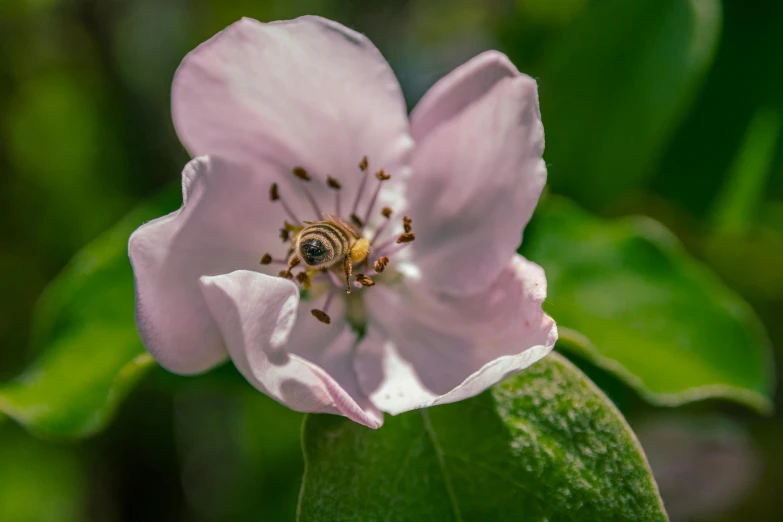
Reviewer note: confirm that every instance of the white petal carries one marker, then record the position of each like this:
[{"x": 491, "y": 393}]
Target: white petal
[
  {"x": 303, "y": 364},
  {"x": 307, "y": 92},
  {"x": 226, "y": 223},
  {"x": 478, "y": 172},
  {"x": 424, "y": 350}
]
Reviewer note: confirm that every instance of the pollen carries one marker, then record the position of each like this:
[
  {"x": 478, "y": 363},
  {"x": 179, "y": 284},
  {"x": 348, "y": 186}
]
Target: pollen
[
  {"x": 360, "y": 250},
  {"x": 347, "y": 237}
]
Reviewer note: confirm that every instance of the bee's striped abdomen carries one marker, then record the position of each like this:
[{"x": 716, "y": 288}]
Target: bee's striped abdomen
[{"x": 322, "y": 244}]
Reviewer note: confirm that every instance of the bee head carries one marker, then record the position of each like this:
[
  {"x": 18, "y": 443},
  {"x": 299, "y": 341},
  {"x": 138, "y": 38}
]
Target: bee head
[{"x": 313, "y": 252}]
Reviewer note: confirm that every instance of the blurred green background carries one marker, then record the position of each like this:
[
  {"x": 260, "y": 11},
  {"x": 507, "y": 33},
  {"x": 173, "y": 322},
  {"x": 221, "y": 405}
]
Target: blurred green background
[{"x": 665, "y": 108}]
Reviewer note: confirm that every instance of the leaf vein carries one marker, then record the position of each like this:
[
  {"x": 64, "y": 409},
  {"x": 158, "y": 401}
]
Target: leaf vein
[{"x": 442, "y": 464}]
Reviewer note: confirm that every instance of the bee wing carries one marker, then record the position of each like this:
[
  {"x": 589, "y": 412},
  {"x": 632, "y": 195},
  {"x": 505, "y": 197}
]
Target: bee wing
[{"x": 341, "y": 222}]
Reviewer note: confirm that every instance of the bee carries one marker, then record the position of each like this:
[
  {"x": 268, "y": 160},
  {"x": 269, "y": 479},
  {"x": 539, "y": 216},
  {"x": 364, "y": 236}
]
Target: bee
[{"x": 322, "y": 244}]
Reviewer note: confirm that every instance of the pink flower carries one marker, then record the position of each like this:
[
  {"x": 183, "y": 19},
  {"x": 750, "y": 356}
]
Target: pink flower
[{"x": 292, "y": 120}]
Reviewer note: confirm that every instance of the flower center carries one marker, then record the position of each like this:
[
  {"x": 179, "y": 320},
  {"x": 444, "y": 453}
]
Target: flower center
[{"x": 327, "y": 251}]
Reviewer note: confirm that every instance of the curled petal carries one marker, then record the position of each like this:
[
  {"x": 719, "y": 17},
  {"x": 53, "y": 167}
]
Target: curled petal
[
  {"x": 435, "y": 349},
  {"x": 307, "y": 92},
  {"x": 216, "y": 231},
  {"x": 304, "y": 366},
  {"x": 478, "y": 169}
]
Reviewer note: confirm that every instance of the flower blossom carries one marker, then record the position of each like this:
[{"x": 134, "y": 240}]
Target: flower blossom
[{"x": 347, "y": 258}]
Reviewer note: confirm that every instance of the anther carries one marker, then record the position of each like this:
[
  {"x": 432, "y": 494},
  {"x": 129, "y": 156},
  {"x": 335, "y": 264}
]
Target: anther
[
  {"x": 363, "y": 166},
  {"x": 381, "y": 176},
  {"x": 286, "y": 274},
  {"x": 284, "y": 235},
  {"x": 267, "y": 259},
  {"x": 304, "y": 279},
  {"x": 406, "y": 224},
  {"x": 364, "y": 280},
  {"x": 321, "y": 316},
  {"x": 406, "y": 238},
  {"x": 335, "y": 185},
  {"x": 293, "y": 262},
  {"x": 274, "y": 195},
  {"x": 386, "y": 212},
  {"x": 356, "y": 220},
  {"x": 301, "y": 173},
  {"x": 380, "y": 264}
]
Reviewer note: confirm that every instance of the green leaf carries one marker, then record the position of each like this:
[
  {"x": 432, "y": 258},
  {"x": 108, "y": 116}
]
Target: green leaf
[
  {"x": 736, "y": 208},
  {"x": 89, "y": 353},
  {"x": 39, "y": 482},
  {"x": 629, "y": 298},
  {"x": 543, "y": 445},
  {"x": 615, "y": 87}
]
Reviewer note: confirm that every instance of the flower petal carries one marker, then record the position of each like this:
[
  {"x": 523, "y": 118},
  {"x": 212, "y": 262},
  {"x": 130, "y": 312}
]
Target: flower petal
[
  {"x": 478, "y": 172},
  {"x": 307, "y": 92},
  {"x": 434, "y": 349},
  {"x": 257, "y": 316},
  {"x": 225, "y": 224}
]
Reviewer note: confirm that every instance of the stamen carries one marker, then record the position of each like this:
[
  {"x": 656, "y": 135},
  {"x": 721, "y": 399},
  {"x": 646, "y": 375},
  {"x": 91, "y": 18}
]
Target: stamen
[
  {"x": 365, "y": 280},
  {"x": 385, "y": 212},
  {"x": 267, "y": 259},
  {"x": 321, "y": 315},
  {"x": 304, "y": 279},
  {"x": 335, "y": 185},
  {"x": 381, "y": 176},
  {"x": 380, "y": 264},
  {"x": 363, "y": 165},
  {"x": 274, "y": 195},
  {"x": 389, "y": 249},
  {"x": 333, "y": 277},
  {"x": 304, "y": 177},
  {"x": 406, "y": 224},
  {"x": 406, "y": 238},
  {"x": 301, "y": 173}
]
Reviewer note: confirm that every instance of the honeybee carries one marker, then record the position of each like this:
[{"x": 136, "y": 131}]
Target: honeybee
[{"x": 322, "y": 244}]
